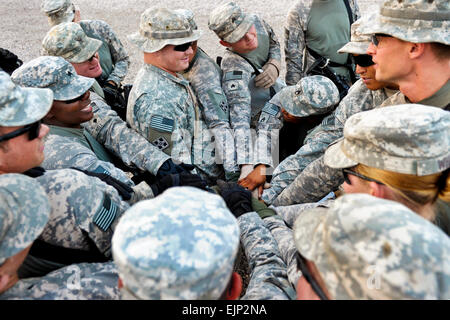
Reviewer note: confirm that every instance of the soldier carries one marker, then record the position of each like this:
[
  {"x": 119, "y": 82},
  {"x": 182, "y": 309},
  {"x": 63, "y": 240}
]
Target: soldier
[
  {"x": 190, "y": 249},
  {"x": 365, "y": 94},
  {"x": 162, "y": 106},
  {"x": 314, "y": 29},
  {"x": 70, "y": 42},
  {"x": 251, "y": 61},
  {"x": 353, "y": 251},
  {"x": 114, "y": 59},
  {"x": 422, "y": 79},
  {"x": 314, "y": 95},
  {"x": 205, "y": 77}
]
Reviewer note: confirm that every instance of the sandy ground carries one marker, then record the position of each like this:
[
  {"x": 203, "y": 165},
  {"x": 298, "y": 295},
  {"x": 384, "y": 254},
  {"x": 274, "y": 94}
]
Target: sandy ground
[{"x": 23, "y": 25}]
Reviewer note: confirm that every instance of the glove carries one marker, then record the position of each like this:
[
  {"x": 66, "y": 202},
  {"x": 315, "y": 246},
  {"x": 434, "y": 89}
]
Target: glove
[
  {"x": 123, "y": 189},
  {"x": 115, "y": 99},
  {"x": 9, "y": 61},
  {"x": 238, "y": 200},
  {"x": 169, "y": 167},
  {"x": 261, "y": 209},
  {"x": 177, "y": 180},
  {"x": 267, "y": 78}
]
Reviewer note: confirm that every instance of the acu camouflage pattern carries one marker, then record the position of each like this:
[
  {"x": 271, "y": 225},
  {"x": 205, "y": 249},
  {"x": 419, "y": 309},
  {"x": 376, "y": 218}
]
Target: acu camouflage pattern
[
  {"x": 160, "y": 95},
  {"x": 205, "y": 77},
  {"x": 180, "y": 245},
  {"x": 409, "y": 139},
  {"x": 58, "y": 11},
  {"x": 229, "y": 22},
  {"x": 359, "y": 98},
  {"x": 268, "y": 277},
  {"x": 418, "y": 21},
  {"x": 102, "y": 31},
  {"x": 370, "y": 248},
  {"x": 237, "y": 75},
  {"x": 127, "y": 144},
  {"x": 68, "y": 40},
  {"x": 53, "y": 73},
  {"x": 24, "y": 211},
  {"x": 297, "y": 60},
  {"x": 16, "y": 102},
  {"x": 159, "y": 27},
  {"x": 359, "y": 42},
  {"x": 85, "y": 281}
]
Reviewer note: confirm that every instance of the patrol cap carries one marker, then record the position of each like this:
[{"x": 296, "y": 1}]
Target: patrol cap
[
  {"x": 53, "y": 73},
  {"x": 22, "y": 106},
  {"x": 359, "y": 42},
  {"x": 69, "y": 41},
  {"x": 417, "y": 21},
  {"x": 410, "y": 139},
  {"x": 179, "y": 245},
  {"x": 189, "y": 15},
  {"x": 24, "y": 211},
  {"x": 371, "y": 248},
  {"x": 58, "y": 11},
  {"x": 310, "y": 96},
  {"x": 229, "y": 22},
  {"x": 160, "y": 27}
]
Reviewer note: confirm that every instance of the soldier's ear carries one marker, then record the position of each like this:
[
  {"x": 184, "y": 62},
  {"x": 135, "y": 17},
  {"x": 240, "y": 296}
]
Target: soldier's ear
[
  {"x": 4, "y": 280},
  {"x": 234, "y": 290},
  {"x": 225, "y": 44},
  {"x": 416, "y": 50},
  {"x": 120, "y": 283}
]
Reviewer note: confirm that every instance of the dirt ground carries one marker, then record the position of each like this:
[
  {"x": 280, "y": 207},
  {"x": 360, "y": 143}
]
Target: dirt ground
[{"x": 23, "y": 25}]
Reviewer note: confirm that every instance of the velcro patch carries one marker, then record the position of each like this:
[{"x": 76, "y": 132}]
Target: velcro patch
[
  {"x": 161, "y": 123},
  {"x": 101, "y": 169},
  {"x": 161, "y": 143},
  {"x": 105, "y": 216},
  {"x": 271, "y": 109},
  {"x": 233, "y": 75}
]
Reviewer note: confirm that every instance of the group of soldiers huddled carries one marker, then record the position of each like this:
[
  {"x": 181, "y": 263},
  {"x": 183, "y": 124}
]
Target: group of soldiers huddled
[{"x": 154, "y": 190}]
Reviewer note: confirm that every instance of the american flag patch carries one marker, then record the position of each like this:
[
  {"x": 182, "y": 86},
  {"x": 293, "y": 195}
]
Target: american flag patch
[
  {"x": 271, "y": 109},
  {"x": 106, "y": 215},
  {"x": 162, "y": 124}
]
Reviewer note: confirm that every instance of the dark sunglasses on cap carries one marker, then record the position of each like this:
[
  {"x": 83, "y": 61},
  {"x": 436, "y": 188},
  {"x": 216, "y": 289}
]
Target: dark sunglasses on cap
[
  {"x": 346, "y": 172},
  {"x": 375, "y": 40},
  {"x": 182, "y": 47},
  {"x": 363, "y": 60},
  {"x": 301, "y": 265},
  {"x": 32, "y": 129}
]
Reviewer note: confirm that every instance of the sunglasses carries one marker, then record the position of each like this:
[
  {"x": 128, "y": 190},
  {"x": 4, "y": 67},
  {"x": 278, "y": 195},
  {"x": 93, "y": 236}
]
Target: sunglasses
[
  {"x": 32, "y": 129},
  {"x": 375, "y": 40},
  {"x": 301, "y": 265},
  {"x": 363, "y": 60},
  {"x": 182, "y": 47},
  {"x": 346, "y": 172},
  {"x": 75, "y": 99}
]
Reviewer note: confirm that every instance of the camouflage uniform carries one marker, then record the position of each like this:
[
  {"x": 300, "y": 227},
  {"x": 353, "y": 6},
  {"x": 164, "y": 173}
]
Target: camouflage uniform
[
  {"x": 370, "y": 248},
  {"x": 295, "y": 39},
  {"x": 193, "y": 245},
  {"x": 312, "y": 95},
  {"x": 71, "y": 147},
  {"x": 113, "y": 57},
  {"x": 162, "y": 107},
  {"x": 85, "y": 281},
  {"x": 231, "y": 24}
]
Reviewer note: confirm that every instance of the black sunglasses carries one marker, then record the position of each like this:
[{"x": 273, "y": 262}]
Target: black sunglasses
[
  {"x": 182, "y": 47},
  {"x": 32, "y": 129},
  {"x": 75, "y": 99},
  {"x": 363, "y": 60},
  {"x": 346, "y": 172},
  {"x": 301, "y": 265},
  {"x": 375, "y": 39}
]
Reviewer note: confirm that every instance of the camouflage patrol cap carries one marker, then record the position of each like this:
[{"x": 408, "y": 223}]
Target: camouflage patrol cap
[
  {"x": 58, "y": 11},
  {"x": 359, "y": 42},
  {"x": 310, "y": 96},
  {"x": 417, "y": 21},
  {"x": 160, "y": 27},
  {"x": 22, "y": 106},
  {"x": 371, "y": 248},
  {"x": 229, "y": 22},
  {"x": 53, "y": 73},
  {"x": 24, "y": 211},
  {"x": 189, "y": 15},
  {"x": 409, "y": 139},
  {"x": 179, "y": 245},
  {"x": 69, "y": 41}
]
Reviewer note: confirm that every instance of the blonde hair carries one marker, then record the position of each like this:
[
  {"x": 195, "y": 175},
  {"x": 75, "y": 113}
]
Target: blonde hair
[{"x": 413, "y": 191}]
